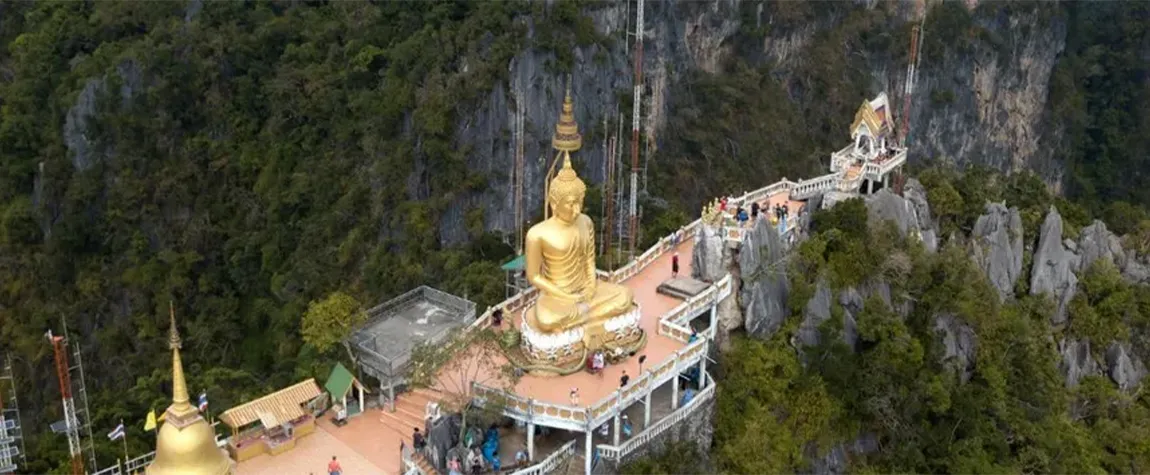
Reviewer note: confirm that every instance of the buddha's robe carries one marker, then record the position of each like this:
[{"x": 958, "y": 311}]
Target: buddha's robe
[{"x": 562, "y": 256}]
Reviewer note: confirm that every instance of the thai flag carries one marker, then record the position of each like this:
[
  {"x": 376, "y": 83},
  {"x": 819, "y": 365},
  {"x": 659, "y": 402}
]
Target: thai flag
[
  {"x": 203, "y": 402},
  {"x": 117, "y": 433}
]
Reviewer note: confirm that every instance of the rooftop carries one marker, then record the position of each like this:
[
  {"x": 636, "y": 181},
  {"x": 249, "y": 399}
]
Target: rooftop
[{"x": 396, "y": 326}]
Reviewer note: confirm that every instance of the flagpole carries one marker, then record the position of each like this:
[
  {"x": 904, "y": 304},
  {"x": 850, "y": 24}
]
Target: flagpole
[{"x": 125, "y": 439}]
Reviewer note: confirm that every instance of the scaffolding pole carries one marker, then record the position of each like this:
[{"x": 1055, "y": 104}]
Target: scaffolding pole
[{"x": 12, "y": 450}]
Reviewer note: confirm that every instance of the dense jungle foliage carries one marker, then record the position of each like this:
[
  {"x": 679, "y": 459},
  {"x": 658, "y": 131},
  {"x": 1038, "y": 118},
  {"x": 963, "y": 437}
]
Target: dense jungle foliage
[{"x": 245, "y": 159}]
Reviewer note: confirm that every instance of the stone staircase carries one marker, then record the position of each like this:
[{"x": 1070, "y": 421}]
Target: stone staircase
[{"x": 409, "y": 411}]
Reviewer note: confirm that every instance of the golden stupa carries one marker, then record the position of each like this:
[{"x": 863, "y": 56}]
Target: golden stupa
[{"x": 186, "y": 444}]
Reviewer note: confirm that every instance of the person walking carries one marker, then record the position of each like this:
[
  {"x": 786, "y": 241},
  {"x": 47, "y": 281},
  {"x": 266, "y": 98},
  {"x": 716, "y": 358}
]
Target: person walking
[
  {"x": 333, "y": 467},
  {"x": 675, "y": 264}
]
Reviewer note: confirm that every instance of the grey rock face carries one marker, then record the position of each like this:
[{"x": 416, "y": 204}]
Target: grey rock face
[
  {"x": 1053, "y": 267},
  {"x": 851, "y": 300},
  {"x": 1098, "y": 243},
  {"x": 1077, "y": 361},
  {"x": 837, "y": 460},
  {"x": 76, "y": 124},
  {"x": 915, "y": 193},
  {"x": 707, "y": 260},
  {"x": 1124, "y": 366},
  {"x": 887, "y": 206},
  {"x": 765, "y": 284},
  {"x": 960, "y": 344},
  {"x": 817, "y": 311},
  {"x": 997, "y": 246}
]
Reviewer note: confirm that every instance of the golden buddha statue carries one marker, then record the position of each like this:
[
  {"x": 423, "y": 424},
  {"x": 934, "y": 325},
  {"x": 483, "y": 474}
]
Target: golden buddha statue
[
  {"x": 186, "y": 443},
  {"x": 560, "y": 253}
]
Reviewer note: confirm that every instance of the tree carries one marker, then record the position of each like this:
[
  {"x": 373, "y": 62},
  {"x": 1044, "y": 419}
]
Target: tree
[
  {"x": 457, "y": 364},
  {"x": 330, "y": 321}
]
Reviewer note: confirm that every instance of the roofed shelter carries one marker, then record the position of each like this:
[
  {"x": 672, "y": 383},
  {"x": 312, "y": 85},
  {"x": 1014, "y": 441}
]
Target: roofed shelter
[
  {"x": 383, "y": 345},
  {"x": 516, "y": 279},
  {"x": 282, "y": 420},
  {"x": 340, "y": 382}
]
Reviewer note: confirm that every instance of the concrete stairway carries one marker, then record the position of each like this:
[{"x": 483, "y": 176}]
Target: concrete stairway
[{"x": 409, "y": 411}]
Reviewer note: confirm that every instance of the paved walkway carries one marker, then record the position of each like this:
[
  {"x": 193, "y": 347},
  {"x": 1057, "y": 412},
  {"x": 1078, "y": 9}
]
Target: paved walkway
[
  {"x": 312, "y": 454},
  {"x": 365, "y": 446},
  {"x": 654, "y": 305}
]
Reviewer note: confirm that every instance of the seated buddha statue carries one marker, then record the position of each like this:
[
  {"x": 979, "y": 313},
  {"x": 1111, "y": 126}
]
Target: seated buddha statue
[{"x": 560, "y": 253}]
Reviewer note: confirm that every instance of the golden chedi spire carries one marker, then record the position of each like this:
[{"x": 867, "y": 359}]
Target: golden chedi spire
[
  {"x": 567, "y": 138},
  {"x": 186, "y": 444}
]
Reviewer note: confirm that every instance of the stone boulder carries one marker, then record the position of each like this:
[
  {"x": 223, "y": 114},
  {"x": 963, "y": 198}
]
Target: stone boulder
[
  {"x": 1054, "y": 264},
  {"x": 1077, "y": 361},
  {"x": 707, "y": 260},
  {"x": 765, "y": 288},
  {"x": 851, "y": 301},
  {"x": 960, "y": 344},
  {"x": 1098, "y": 243},
  {"x": 1095, "y": 242},
  {"x": 1124, "y": 366},
  {"x": 887, "y": 206},
  {"x": 996, "y": 243}
]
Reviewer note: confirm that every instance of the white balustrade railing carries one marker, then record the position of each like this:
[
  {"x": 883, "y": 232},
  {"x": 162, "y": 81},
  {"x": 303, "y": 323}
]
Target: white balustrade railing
[
  {"x": 551, "y": 462},
  {"x": 807, "y": 188},
  {"x": 616, "y": 453}
]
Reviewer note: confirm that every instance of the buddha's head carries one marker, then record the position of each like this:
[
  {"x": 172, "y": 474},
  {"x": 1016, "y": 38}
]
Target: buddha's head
[{"x": 566, "y": 193}]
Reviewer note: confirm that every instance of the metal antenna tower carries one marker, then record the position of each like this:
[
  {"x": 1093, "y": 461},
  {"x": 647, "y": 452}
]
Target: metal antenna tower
[
  {"x": 70, "y": 426},
  {"x": 11, "y": 431},
  {"x": 75, "y": 420},
  {"x": 637, "y": 105}
]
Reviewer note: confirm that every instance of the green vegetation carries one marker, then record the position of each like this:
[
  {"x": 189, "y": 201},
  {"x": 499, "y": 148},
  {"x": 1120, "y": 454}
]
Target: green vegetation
[
  {"x": 1098, "y": 92},
  {"x": 1014, "y": 414},
  {"x": 248, "y": 159}
]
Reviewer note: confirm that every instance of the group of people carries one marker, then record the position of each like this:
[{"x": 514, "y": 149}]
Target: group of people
[{"x": 474, "y": 463}]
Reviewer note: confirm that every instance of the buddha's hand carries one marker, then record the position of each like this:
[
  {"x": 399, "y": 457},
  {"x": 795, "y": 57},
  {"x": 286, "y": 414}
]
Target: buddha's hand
[{"x": 584, "y": 309}]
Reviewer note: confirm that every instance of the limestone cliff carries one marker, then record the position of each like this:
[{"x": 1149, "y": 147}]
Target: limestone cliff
[{"x": 981, "y": 101}]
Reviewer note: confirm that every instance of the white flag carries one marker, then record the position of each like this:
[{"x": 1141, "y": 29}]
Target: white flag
[{"x": 117, "y": 433}]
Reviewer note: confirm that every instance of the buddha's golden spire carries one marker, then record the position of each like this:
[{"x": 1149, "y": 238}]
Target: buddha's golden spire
[
  {"x": 567, "y": 138},
  {"x": 185, "y": 443}
]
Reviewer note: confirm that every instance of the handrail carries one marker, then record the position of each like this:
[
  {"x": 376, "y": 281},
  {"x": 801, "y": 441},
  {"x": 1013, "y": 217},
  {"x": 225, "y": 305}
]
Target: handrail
[
  {"x": 611, "y": 452},
  {"x": 552, "y": 461}
]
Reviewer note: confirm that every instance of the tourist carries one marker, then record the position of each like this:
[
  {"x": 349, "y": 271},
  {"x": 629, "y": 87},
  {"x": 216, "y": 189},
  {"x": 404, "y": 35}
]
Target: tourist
[
  {"x": 521, "y": 458},
  {"x": 574, "y": 396},
  {"x": 742, "y": 215},
  {"x": 755, "y": 210},
  {"x": 623, "y": 379},
  {"x": 454, "y": 467},
  {"x": 598, "y": 363},
  {"x": 675, "y": 264},
  {"x": 475, "y": 461},
  {"x": 497, "y": 318},
  {"x": 417, "y": 440},
  {"x": 626, "y": 426},
  {"x": 604, "y": 430},
  {"x": 333, "y": 467}
]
